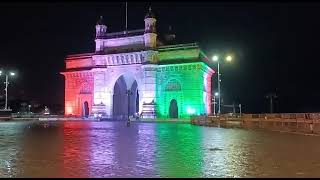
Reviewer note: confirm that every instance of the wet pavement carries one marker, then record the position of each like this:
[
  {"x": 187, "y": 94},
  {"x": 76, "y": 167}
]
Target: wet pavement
[{"x": 111, "y": 149}]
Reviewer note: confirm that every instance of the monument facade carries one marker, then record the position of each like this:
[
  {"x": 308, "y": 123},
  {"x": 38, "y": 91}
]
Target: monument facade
[{"x": 133, "y": 72}]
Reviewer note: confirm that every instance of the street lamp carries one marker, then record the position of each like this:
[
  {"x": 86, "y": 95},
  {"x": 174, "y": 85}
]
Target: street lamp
[
  {"x": 214, "y": 102},
  {"x": 215, "y": 58},
  {"x": 6, "y": 88},
  {"x": 229, "y": 58},
  {"x": 129, "y": 92}
]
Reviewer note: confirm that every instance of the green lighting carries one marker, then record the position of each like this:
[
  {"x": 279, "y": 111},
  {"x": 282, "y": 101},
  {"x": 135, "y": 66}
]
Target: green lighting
[
  {"x": 183, "y": 83},
  {"x": 179, "y": 54},
  {"x": 191, "y": 110},
  {"x": 184, "y": 157}
]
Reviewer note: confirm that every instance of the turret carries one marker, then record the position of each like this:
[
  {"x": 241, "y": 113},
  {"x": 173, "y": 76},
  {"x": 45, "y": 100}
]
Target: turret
[
  {"x": 101, "y": 30},
  {"x": 150, "y": 35},
  {"x": 169, "y": 37}
]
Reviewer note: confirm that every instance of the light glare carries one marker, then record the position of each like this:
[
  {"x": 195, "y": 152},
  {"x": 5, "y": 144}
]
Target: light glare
[
  {"x": 191, "y": 110},
  {"x": 215, "y": 58},
  {"x": 229, "y": 58}
]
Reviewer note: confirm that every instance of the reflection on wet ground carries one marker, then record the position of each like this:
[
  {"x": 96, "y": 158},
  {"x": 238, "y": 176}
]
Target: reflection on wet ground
[{"x": 111, "y": 149}]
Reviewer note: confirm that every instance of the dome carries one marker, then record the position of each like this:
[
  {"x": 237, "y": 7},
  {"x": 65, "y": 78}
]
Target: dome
[
  {"x": 100, "y": 21},
  {"x": 150, "y": 14}
]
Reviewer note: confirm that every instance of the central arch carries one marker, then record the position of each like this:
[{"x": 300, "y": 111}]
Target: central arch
[{"x": 122, "y": 104}]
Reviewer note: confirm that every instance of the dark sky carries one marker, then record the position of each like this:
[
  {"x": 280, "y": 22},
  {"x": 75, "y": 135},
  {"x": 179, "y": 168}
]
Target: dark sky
[{"x": 276, "y": 46}]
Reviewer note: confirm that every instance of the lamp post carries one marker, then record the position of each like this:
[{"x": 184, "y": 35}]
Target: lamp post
[
  {"x": 271, "y": 96},
  {"x": 214, "y": 103},
  {"x": 6, "y": 88},
  {"x": 129, "y": 93},
  {"x": 215, "y": 58}
]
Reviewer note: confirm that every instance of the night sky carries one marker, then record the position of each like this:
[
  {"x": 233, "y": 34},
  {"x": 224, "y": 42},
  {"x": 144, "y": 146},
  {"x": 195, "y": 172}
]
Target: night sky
[{"x": 276, "y": 46}]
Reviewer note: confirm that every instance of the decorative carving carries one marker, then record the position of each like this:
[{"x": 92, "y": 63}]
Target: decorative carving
[
  {"x": 179, "y": 68},
  {"x": 173, "y": 85},
  {"x": 85, "y": 88},
  {"x": 136, "y": 58}
]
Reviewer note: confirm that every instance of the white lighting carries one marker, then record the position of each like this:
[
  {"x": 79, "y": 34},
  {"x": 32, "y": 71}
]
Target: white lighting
[
  {"x": 12, "y": 73},
  {"x": 215, "y": 58},
  {"x": 216, "y": 94},
  {"x": 229, "y": 58},
  {"x": 191, "y": 110}
]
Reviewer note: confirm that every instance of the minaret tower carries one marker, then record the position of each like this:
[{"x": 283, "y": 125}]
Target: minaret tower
[
  {"x": 101, "y": 30},
  {"x": 150, "y": 34}
]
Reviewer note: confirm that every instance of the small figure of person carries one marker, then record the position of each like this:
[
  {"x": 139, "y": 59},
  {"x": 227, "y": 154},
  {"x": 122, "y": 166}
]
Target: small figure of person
[
  {"x": 128, "y": 122},
  {"x": 46, "y": 110}
]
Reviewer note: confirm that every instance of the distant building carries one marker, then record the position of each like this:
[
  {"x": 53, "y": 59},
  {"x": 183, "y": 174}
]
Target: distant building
[{"x": 164, "y": 81}]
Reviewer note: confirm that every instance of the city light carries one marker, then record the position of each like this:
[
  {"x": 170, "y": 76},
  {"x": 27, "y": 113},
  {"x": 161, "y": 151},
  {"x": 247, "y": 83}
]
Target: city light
[
  {"x": 216, "y": 94},
  {"x": 229, "y": 58},
  {"x": 215, "y": 58},
  {"x": 6, "y": 87}
]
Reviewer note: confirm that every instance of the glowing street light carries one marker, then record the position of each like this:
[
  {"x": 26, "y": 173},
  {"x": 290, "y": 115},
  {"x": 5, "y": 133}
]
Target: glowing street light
[
  {"x": 216, "y": 94},
  {"x": 229, "y": 58},
  {"x": 6, "y": 88},
  {"x": 129, "y": 92},
  {"x": 215, "y": 58}
]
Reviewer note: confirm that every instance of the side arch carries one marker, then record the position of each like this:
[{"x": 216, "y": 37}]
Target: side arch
[{"x": 173, "y": 109}]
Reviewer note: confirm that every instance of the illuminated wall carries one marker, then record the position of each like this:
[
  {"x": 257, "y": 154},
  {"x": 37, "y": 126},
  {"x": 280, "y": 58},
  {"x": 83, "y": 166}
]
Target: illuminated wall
[
  {"x": 78, "y": 90},
  {"x": 188, "y": 84}
]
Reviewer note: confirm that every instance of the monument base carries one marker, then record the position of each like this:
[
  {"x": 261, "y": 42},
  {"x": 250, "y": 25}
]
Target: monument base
[{"x": 148, "y": 111}]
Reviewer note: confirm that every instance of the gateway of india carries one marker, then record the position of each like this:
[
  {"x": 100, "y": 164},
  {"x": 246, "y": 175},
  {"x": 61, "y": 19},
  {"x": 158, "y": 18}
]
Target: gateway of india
[{"x": 136, "y": 73}]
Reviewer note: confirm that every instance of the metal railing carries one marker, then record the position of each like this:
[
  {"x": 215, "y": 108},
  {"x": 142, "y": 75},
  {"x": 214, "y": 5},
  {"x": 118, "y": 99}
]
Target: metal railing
[
  {"x": 179, "y": 46},
  {"x": 296, "y": 117},
  {"x": 124, "y": 32},
  {"x": 284, "y": 116}
]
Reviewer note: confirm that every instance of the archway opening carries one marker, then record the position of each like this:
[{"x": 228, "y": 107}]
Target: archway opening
[
  {"x": 173, "y": 109},
  {"x": 85, "y": 109},
  {"x": 125, "y": 100},
  {"x": 134, "y": 99}
]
